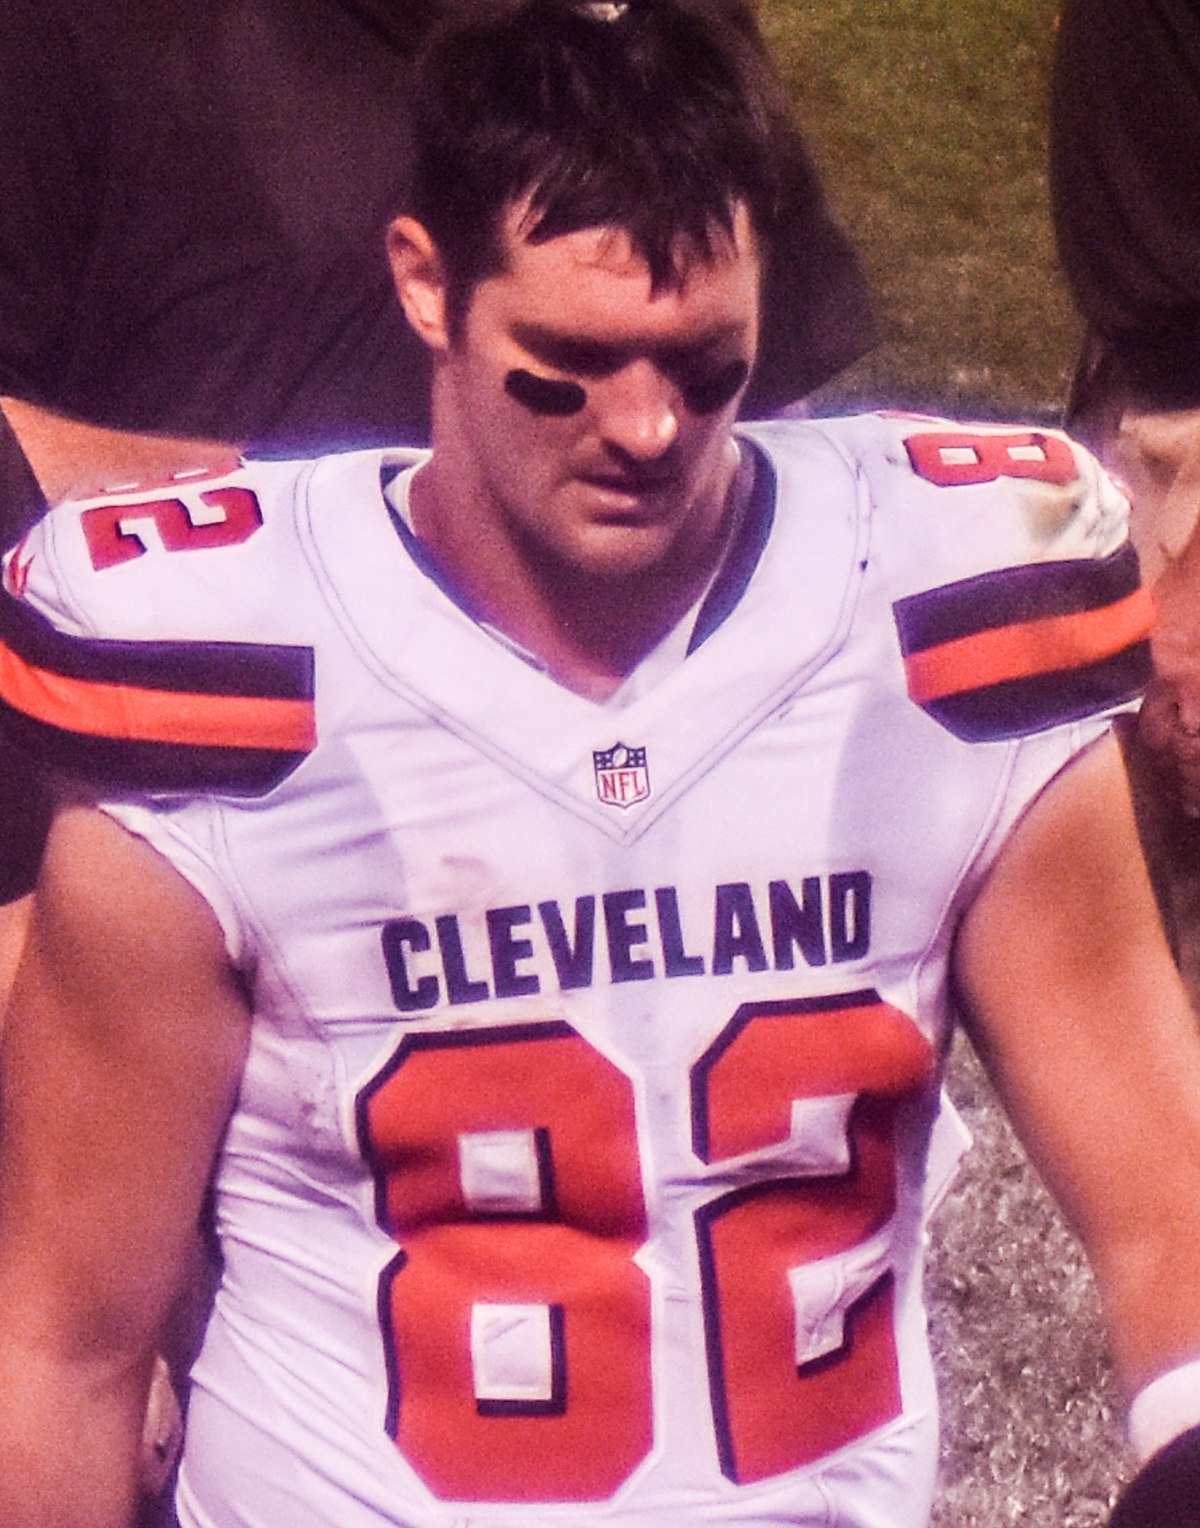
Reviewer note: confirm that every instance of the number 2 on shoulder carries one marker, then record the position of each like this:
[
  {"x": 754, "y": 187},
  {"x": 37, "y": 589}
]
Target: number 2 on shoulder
[{"x": 192, "y": 521}]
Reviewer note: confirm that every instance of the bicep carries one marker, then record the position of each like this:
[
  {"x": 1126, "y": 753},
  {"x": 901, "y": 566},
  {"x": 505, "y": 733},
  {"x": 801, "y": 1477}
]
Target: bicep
[
  {"x": 123, "y": 1046},
  {"x": 1074, "y": 1004}
]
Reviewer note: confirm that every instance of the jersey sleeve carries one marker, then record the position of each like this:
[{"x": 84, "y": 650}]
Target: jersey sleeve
[
  {"x": 1018, "y": 603},
  {"x": 142, "y": 643}
]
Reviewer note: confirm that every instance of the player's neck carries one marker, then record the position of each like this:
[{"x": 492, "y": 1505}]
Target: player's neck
[{"x": 590, "y": 631}]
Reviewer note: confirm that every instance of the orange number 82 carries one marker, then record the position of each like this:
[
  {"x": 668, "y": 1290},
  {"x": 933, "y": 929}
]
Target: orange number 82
[{"x": 516, "y": 1322}]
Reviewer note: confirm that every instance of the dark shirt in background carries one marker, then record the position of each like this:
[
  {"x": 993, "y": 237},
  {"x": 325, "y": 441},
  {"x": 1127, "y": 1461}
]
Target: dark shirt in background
[
  {"x": 193, "y": 201},
  {"x": 1125, "y": 180}
]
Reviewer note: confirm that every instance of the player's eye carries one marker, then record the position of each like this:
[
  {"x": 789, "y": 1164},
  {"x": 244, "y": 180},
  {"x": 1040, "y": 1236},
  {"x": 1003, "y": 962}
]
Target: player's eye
[
  {"x": 544, "y": 395},
  {"x": 709, "y": 391}
]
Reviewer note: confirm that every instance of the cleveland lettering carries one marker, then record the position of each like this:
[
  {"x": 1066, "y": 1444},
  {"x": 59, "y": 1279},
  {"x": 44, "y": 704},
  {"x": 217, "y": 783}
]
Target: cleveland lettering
[{"x": 632, "y": 935}]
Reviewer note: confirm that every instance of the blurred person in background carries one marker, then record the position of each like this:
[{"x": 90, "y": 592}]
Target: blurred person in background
[
  {"x": 1125, "y": 147},
  {"x": 194, "y": 201}
]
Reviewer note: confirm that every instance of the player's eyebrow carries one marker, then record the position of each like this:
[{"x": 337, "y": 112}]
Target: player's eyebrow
[
  {"x": 567, "y": 352},
  {"x": 703, "y": 346},
  {"x": 588, "y": 357}
]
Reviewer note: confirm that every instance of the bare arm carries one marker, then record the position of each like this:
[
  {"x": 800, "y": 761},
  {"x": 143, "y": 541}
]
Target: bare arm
[
  {"x": 1084, "y": 1026},
  {"x": 122, "y": 1052},
  {"x": 71, "y": 459},
  {"x": 1156, "y": 455},
  {"x": 1170, "y": 716}
]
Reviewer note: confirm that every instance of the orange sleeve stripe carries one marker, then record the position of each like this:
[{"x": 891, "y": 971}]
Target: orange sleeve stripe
[
  {"x": 96, "y": 709},
  {"x": 1059, "y": 642}
]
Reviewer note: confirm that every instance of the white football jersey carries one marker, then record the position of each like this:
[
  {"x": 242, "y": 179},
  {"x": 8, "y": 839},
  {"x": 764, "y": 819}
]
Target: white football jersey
[{"x": 578, "y": 1168}]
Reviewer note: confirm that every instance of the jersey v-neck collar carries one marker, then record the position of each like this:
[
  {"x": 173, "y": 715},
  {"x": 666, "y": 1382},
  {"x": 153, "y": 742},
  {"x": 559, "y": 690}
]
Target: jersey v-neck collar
[
  {"x": 778, "y": 610},
  {"x": 713, "y": 604}
]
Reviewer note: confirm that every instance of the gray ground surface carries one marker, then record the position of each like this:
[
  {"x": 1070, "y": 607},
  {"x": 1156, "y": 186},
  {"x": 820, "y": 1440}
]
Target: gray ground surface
[{"x": 1032, "y": 1425}]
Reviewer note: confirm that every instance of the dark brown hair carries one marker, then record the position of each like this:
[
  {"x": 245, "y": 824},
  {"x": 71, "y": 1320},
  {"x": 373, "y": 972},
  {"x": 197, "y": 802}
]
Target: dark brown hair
[{"x": 658, "y": 117}]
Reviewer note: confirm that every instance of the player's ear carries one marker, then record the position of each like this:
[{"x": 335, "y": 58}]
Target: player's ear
[{"x": 420, "y": 281}]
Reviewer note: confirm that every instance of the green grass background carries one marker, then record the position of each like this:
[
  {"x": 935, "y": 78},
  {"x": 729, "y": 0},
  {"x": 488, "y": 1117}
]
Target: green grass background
[{"x": 928, "y": 120}]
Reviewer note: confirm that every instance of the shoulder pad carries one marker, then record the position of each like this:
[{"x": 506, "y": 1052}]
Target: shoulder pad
[
  {"x": 991, "y": 494},
  {"x": 138, "y": 677},
  {"x": 1020, "y": 602}
]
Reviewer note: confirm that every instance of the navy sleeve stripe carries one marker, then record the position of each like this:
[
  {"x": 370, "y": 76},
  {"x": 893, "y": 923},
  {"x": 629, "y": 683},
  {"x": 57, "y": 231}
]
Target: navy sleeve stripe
[{"x": 1014, "y": 596}]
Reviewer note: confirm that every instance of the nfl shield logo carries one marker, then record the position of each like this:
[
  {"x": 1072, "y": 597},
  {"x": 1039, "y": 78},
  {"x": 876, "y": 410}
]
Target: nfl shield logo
[{"x": 622, "y": 778}]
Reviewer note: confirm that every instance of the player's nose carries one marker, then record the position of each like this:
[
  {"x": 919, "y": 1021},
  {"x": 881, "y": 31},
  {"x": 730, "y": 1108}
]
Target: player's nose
[{"x": 640, "y": 415}]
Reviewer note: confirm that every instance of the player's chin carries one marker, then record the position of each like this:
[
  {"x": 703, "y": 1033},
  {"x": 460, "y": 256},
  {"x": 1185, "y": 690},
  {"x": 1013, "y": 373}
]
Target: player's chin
[{"x": 623, "y": 549}]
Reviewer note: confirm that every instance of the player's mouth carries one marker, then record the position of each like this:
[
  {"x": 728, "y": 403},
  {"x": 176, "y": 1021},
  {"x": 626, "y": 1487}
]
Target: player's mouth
[{"x": 629, "y": 496}]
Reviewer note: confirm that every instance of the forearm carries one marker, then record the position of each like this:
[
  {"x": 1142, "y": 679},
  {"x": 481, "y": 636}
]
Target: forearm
[
  {"x": 1148, "y": 1276},
  {"x": 1087, "y": 1033},
  {"x": 72, "y": 459},
  {"x": 1112, "y": 1118}
]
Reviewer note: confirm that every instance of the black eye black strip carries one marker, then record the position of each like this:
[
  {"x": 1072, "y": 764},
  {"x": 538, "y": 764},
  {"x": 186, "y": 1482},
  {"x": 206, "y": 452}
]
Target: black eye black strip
[{"x": 544, "y": 395}]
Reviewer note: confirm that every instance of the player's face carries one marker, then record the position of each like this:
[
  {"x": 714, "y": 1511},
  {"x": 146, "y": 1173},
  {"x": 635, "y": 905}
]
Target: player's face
[{"x": 597, "y": 412}]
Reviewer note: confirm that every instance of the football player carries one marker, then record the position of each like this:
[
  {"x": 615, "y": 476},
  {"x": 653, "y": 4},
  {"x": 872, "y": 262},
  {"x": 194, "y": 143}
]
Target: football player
[{"x": 535, "y": 882}]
